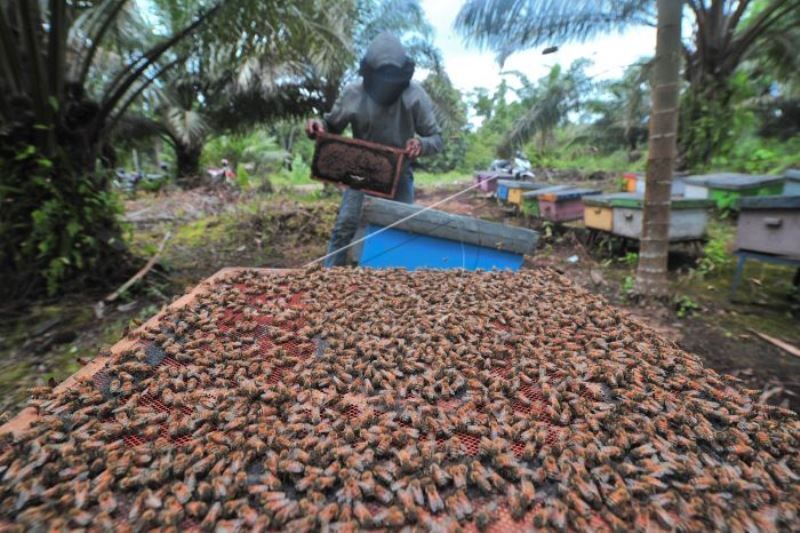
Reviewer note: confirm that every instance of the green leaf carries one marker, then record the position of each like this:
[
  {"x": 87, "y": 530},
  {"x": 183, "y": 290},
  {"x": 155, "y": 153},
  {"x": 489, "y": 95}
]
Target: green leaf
[
  {"x": 73, "y": 227},
  {"x": 26, "y": 153}
]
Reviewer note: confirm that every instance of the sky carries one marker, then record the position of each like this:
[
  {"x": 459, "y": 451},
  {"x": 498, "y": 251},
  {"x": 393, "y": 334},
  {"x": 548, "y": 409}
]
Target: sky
[{"x": 469, "y": 67}]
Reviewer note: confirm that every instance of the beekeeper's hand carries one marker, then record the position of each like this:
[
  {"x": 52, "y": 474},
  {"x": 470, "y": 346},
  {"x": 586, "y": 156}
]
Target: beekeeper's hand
[
  {"x": 414, "y": 148},
  {"x": 314, "y": 127}
]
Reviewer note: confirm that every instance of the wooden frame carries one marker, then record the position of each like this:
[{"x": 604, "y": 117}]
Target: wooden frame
[
  {"x": 396, "y": 153},
  {"x": 23, "y": 420}
]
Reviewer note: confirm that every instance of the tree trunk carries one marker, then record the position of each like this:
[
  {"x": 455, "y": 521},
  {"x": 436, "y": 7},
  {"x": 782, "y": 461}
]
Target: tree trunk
[
  {"x": 651, "y": 275},
  {"x": 187, "y": 163}
]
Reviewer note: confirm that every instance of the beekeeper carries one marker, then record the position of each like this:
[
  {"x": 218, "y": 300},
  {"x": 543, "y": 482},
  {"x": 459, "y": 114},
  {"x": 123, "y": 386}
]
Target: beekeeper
[{"x": 385, "y": 107}]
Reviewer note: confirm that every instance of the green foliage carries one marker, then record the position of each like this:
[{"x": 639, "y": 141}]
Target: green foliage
[
  {"x": 757, "y": 155},
  {"x": 256, "y": 151},
  {"x": 243, "y": 178},
  {"x": 432, "y": 179},
  {"x": 481, "y": 150},
  {"x": 63, "y": 238},
  {"x": 715, "y": 256},
  {"x": 451, "y": 114},
  {"x": 631, "y": 259},
  {"x": 685, "y": 306},
  {"x": 628, "y": 285},
  {"x": 300, "y": 174}
]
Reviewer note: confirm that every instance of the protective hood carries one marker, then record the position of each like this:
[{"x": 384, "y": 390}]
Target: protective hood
[{"x": 386, "y": 69}]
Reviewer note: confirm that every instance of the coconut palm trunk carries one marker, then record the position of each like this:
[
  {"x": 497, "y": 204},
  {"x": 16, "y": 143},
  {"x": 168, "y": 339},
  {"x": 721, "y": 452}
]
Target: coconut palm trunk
[{"x": 651, "y": 275}]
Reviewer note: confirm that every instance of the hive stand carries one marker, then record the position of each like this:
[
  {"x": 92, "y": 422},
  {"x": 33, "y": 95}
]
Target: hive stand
[{"x": 744, "y": 255}]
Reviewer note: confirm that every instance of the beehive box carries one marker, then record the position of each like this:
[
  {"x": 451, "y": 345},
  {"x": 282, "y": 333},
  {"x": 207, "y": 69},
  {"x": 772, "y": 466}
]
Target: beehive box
[
  {"x": 516, "y": 191},
  {"x": 688, "y": 218},
  {"x": 361, "y": 165},
  {"x": 565, "y": 205},
  {"x": 434, "y": 239},
  {"x": 635, "y": 182},
  {"x": 487, "y": 180},
  {"x": 503, "y": 187},
  {"x": 726, "y": 188},
  {"x": 530, "y": 199},
  {"x": 791, "y": 183},
  {"x": 769, "y": 224},
  {"x": 351, "y": 399},
  {"x": 598, "y": 211}
]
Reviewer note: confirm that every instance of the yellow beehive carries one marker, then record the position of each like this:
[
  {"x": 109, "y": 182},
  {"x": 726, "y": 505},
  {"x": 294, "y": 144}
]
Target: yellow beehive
[
  {"x": 515, "y": 196},
  {"x": 597, "y": 215},
  {"x": 516, "y": 189}
]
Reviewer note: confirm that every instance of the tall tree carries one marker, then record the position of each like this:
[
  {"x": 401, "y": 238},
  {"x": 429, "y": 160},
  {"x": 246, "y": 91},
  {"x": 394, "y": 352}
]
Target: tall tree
[
  {"x": 230, "y": 84},
  {"x": 651, "y": 274},
  {"x": 58, "y": 109},
  {"x": 545, "y": 105},
  {"x": 623, "y": 109},
  {"x": 725, "y": 33},
  {"x": 58, "y": 218}
]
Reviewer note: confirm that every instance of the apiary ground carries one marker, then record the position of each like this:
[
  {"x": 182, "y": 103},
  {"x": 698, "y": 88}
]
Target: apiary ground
[{"x": 374, "y": 399}]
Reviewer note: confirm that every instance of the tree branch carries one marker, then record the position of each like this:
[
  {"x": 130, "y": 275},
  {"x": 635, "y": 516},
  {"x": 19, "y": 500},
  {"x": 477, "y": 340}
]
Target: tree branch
[
  {"x": 97, "y": 39},
  {"x": 9, "y": 54},
  {"x": 31, "y": 21},
  {"x": 766, "y": 19},
  {"x": 734, "y": 19},
  {"x": 57, "y": 47},
  {"x": 133, "y": 96},
  {"x": 111, "y": 101}
]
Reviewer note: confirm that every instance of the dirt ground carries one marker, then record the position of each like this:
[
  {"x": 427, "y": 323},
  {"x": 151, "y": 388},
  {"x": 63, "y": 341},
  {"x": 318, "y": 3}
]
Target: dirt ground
[{"x": 209, "y": 231}]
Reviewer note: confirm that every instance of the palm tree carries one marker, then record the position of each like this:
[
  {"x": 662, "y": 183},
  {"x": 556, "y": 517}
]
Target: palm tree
[
  {"x": 624, "y": 109},
  {"x": 58, "y": 219},
  {"x": 651, "y": 273},
  {"x": 58, "y": 109},
  {"x": 228, "y": 85},
  {"x": 547, "y": 104},
  {"x": 726, "y": 32}
]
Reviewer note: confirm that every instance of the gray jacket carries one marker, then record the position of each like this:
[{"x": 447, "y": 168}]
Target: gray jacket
[{"x": 409, "y": 116}]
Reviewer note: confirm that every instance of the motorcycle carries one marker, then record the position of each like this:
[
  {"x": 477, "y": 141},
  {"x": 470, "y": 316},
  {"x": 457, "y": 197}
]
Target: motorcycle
[
  {"x": 129, "y": 182},
  {"x": 224, "y": 175},
  {"x": 520, "y": 168}
]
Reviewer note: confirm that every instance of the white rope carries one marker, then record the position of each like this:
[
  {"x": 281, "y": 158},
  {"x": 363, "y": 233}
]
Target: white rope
[{"x": 394, "y": 224}]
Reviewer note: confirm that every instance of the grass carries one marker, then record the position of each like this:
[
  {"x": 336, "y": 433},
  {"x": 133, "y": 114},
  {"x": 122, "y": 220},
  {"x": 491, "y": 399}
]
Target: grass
[
  {"x": 430, "y": 179},
  {"x": 302, "y": 176}
]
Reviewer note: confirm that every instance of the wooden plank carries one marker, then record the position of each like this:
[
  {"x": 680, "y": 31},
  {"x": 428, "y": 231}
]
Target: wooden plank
[
  {"x": 783, "y": 345},
  {"x": 459, "y": 228},
  {"x": 23, "y": 420}
]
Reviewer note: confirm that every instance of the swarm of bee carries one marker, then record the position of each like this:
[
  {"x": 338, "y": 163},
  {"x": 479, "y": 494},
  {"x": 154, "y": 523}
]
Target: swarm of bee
[{"x": 345, "y": 400}]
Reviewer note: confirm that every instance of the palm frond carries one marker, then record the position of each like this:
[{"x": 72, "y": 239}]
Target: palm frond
[
  {"x": 507, "y": 26},
  {"x": 187, "y": 125}
]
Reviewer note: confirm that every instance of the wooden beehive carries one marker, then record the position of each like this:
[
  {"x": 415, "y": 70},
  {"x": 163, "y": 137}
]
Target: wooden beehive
[
  {"x": 770, "y": 224},
  {"x": 503, "y": 186},
  {"x": 598, "y": 210},
  {"x": 434, "y": 239},
  {"x": 791, "y": 184},
  {"x": 636, "y": 182},
  {"x": 530, "y": 199},
  {"x": 358, "y": 164},
  {"x": 726, "y": 188},
  {"x": 688, "y": 217},
  {"x": 562, "y": 206},
  {"x": 487, "y": 180},
  {"x": 515, "y": 191}
]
